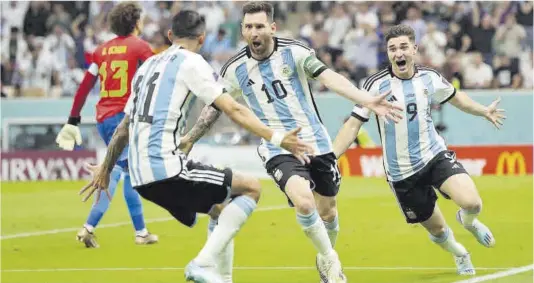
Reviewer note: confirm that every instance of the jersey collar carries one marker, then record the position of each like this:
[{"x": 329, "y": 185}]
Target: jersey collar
[
  {"x": 390, "y": 70},
  {"x": 249, "y": 53}
]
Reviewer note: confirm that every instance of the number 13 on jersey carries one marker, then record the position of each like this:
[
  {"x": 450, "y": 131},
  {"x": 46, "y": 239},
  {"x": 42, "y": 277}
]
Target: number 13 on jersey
[{"x": 119, "y": 68}]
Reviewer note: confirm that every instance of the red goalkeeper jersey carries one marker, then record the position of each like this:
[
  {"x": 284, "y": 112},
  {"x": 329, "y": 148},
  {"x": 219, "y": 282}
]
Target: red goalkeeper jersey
[{"x": 115, "y": 63}]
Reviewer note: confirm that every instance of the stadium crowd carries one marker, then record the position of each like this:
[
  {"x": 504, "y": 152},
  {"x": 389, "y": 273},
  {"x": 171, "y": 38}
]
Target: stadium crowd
[{"x": 46, "y": 46}]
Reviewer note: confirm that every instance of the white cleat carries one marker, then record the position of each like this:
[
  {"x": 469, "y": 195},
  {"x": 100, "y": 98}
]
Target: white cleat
[
  {"x": 464, "y": 265},
  {"x": 86, "y": 237},
  {"x": 146, "y": 240},
  {"x": 330, "y": 269},
  {"x": 481, "y": 232},
  {"x": 202, "y": 274}
]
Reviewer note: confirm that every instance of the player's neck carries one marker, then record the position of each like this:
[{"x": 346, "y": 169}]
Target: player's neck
[
  {"x": 191, "y": 45},
  {"x": 267, "y": 53},
  {"x": 405, "y": 76}
]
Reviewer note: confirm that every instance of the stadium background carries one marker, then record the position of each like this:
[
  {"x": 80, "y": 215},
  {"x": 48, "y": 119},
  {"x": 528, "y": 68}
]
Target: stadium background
[{"x": 484, "y": 48}]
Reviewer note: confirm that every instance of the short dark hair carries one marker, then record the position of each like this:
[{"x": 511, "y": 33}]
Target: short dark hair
[
  {"x": 124, "y": 17},
  {"x": 257, "y": 7},
  {"x": 398, "y": 31},
  {"x": 188, "y": 23}
]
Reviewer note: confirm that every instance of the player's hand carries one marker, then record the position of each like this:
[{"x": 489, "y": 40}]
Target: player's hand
[
  {"x": 69, "y": 135},
  {"x": 385, "y": 109},
  {"x": 293, "y": 144},
  {"x": 495, "y": 115},
  {"x": 99, "y": 183},
  {"x": 185, "y": 145}
]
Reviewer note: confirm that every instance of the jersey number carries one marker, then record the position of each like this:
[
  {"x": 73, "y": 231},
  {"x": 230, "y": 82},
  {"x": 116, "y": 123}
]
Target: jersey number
[
  {"x": 279, "y": 90},
  {"x": 144, "y": 117},
  {"x": 411, "y": 108},
  {"x": 120, "y": 68}
]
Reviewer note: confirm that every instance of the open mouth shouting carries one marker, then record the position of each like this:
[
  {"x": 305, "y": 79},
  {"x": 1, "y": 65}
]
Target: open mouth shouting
[{"x": 401, "y": 64}]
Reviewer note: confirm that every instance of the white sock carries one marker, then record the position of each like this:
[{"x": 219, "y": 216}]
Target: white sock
[
  {"x": 142, "y": 233},
  {"x": 468, "y": 216},
  {"x": 230, "y": 221},
  {"x": 226, "y": 258},
  {"x": 448, "y": 243},
  {"x": 314, "y": 228},
  {"x": 333, "y": 230},
  {"x": 89, "y": 228}
]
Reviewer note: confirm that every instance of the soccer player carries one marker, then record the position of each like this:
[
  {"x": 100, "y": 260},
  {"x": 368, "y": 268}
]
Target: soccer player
[
  {"x": 416, "y": 158},
  {"x": 272, "y": 75},
  {"x": 115, "y": 63},
  {"x": 160, "y": 171}
]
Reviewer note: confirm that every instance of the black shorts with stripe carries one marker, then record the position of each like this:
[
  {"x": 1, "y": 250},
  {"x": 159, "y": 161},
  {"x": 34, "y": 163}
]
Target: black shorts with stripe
[{"x": 195, "y": 190}]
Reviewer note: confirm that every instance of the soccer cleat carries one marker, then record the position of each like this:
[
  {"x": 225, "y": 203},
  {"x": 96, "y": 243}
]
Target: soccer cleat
[
  {"x": 202, "y": 274},
  {"x": 330, "y": 269},
  {"x": 481, "y": 232},
  {"x": 464, "y": 265},
  {"x": 148, "y": 239},
  {"x": 88, "y": 238}
]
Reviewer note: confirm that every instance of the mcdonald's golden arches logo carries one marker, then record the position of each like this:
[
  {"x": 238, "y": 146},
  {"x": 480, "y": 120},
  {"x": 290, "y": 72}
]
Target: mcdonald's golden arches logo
[{"x": 511, "y": 163}]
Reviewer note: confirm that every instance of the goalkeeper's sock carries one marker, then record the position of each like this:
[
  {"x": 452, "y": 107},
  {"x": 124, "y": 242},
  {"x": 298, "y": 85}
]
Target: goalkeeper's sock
[
  {"x": 135, "y": 207},
  {"x": 98, "y": 209}
]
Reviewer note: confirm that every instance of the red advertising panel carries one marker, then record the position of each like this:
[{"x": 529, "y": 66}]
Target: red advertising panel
[
  {"x": 478, "y": 160},
  {"x": 46, "y": 165}
]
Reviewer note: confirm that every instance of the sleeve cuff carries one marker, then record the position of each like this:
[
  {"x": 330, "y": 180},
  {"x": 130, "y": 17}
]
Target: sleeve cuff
[
  {"x": 74, "y": 121},
  {"x": 361, "y": 118},
  {"x": 319, "y": 71},
  {"x": 449, "y": 98}
]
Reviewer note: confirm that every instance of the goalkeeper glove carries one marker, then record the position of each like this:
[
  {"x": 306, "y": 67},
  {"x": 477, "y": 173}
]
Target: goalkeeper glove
[{"x": 69, "y": 134}]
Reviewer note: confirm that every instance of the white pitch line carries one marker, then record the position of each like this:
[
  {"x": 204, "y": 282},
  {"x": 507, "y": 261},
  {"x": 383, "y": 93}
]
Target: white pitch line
[
  {"x": 505, "y": 273},
  {"x": 118, "y": 224},
  {"x": 248, "y": 268}
]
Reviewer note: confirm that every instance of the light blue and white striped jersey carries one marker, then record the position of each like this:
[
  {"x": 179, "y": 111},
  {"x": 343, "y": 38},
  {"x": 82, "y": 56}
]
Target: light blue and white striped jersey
[
  {"x": 277, "y": 91},
  {"x": 409, "y": 145},
  {"x": 161, "y": 90}
]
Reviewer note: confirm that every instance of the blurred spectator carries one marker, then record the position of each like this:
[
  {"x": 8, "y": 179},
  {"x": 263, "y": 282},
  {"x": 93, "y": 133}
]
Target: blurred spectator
[
  {"x": 433, "y": 46},
  {"x": 71, "y": 78},
  {"x": 160, "y": 42},
  {"x": 60, "y": 45},
  {"x": 58, "y": 16},
  {"x": 47, "y": 140},
  {"x": 214, "y": 15},
  {"x": 508, "y": 39},
  {"x": 482, "y": 33},
  {"x": 365, "y": 16},
  {"x": 13, "y": 13},
  {"x": 505, "y": 75},
  {"x": 457, "y": 39},
  {"x": 527, "y": 70},
  {"x": 38, "y": 68},
  {"x": 35, "y": 19},
  {"x": 216, "y": 43},
  {"x": 359, "y": 41},
  {"x": 413, "y": 19},
  {"x": 525, "y": 17},
  {"x": 15, "y": 47},
  {"x": 477, "y": 74},
  {"x": 337, "y": 26}
]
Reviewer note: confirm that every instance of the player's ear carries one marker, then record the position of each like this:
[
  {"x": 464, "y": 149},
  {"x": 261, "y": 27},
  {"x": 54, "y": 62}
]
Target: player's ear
[
  {"x": 415, "y": 48},
  {"x": 169, "y": 35},
  {"x": 273, "y": 28},
  {"x": 201, "y": 38}
]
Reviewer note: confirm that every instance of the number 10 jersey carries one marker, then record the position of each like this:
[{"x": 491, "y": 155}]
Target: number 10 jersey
[{"x": 277, "y": 90}]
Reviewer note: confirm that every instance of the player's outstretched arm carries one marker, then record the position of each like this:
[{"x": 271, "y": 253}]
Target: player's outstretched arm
[
  {"x": 70, "y": 133},
  {"x": 344, "y": 87},
  {"x": 463, "y": 102},
  {"x": 246, "y": 119},
  {"x": 101, "y": 173},
  {"x": 346, "y": 136},
  {"x": 207, "y": 117}
]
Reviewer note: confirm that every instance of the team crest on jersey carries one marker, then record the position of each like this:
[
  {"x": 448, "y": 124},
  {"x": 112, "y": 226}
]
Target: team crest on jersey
[{"x": 286, "y": 71}]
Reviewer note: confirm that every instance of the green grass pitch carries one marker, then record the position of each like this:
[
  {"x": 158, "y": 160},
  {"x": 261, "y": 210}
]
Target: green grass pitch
[{"x": 375, "y": 244}]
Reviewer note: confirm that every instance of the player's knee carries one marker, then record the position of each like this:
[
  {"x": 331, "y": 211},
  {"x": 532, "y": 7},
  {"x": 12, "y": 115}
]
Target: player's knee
[
  {"x": 298, "y": 190},
  {"x": 437, "y": 230},
  {"x": 253, "y": 189},
  {"x": 474, "y": 205},
  {"x": 326, "y": 206}
]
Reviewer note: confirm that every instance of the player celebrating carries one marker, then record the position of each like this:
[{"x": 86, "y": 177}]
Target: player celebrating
[
  {"x": 416, "y": 159},
  {"x": 272, "y": 74},
  {"x": 162, "y": 173},
  {"x": 115, "y": 62}
]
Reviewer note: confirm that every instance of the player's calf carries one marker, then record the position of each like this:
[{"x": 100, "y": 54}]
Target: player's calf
[{"x": 326, "y": 206}]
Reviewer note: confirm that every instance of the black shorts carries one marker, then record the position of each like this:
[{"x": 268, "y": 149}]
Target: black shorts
[
  {"x": 416, "y": 195},
  {"x": 195, "y": 190},
  {"x": 322, "y": 172}
]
